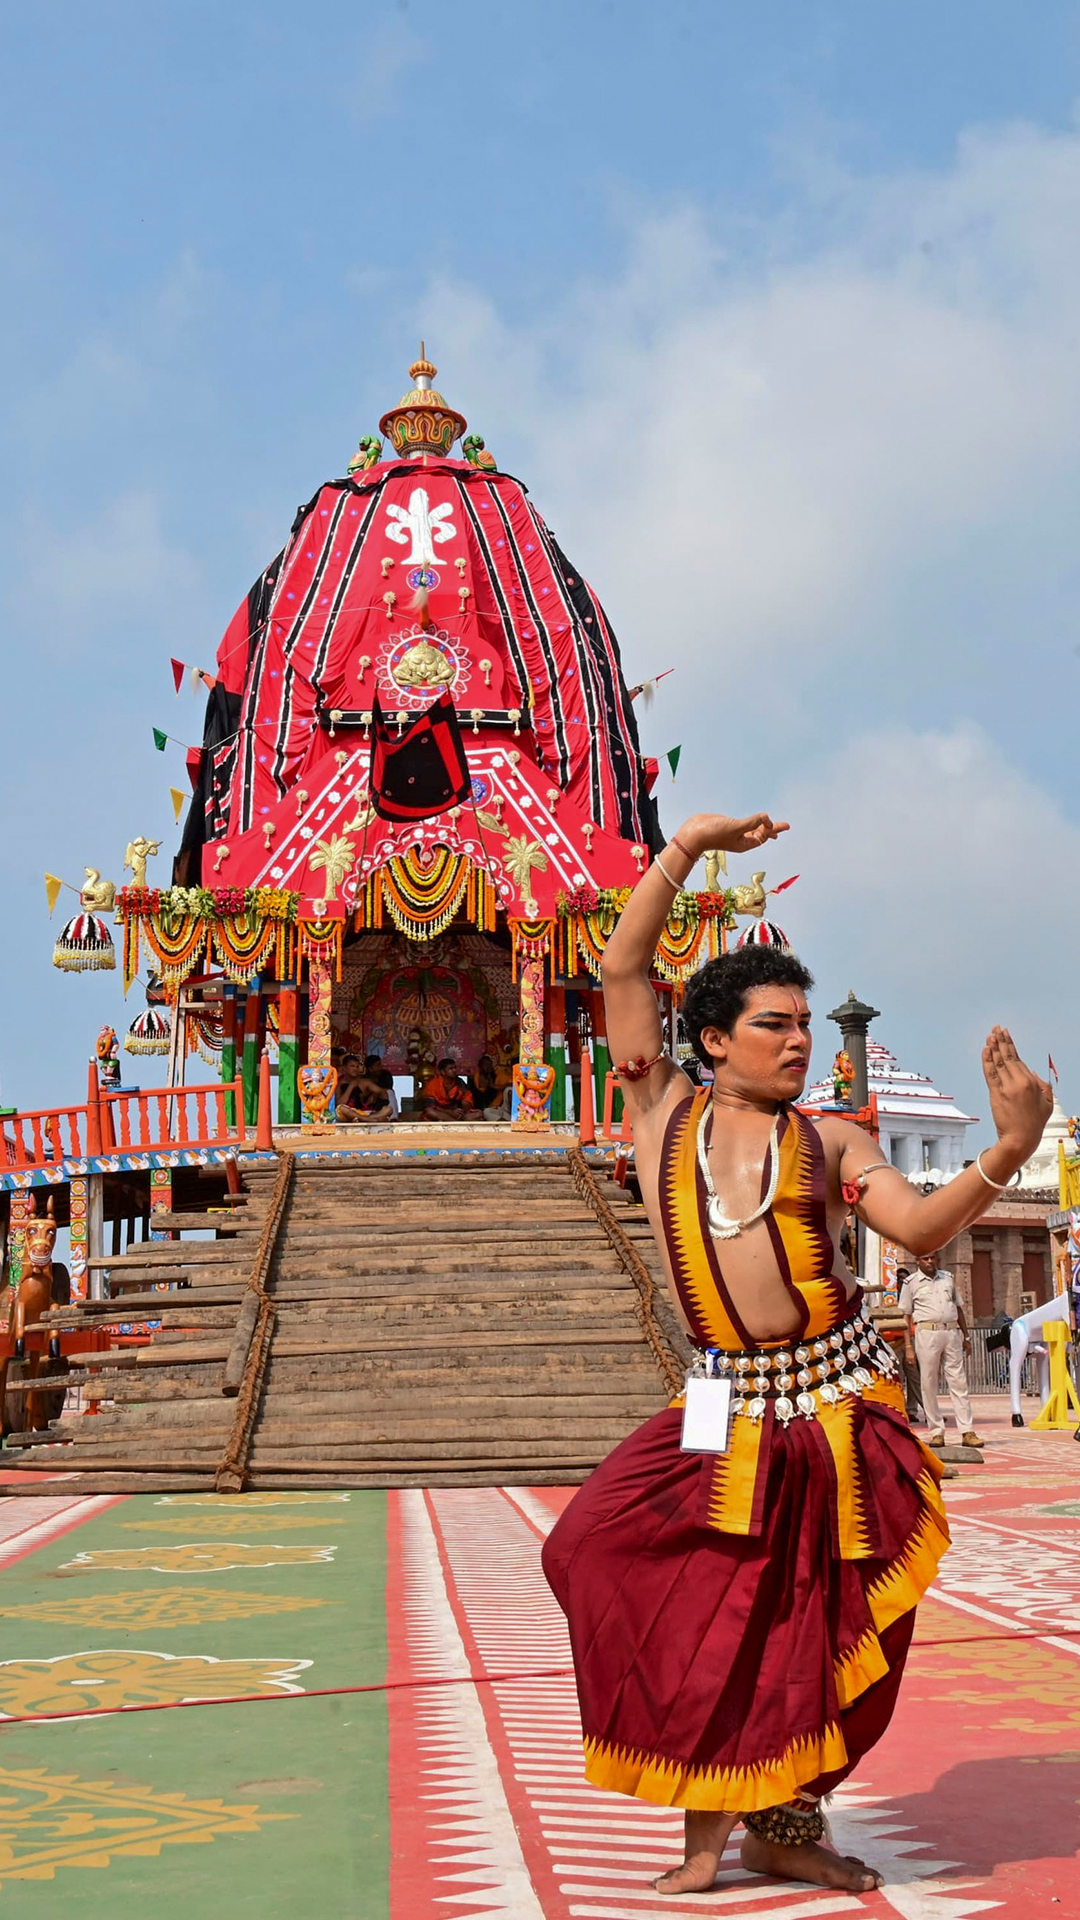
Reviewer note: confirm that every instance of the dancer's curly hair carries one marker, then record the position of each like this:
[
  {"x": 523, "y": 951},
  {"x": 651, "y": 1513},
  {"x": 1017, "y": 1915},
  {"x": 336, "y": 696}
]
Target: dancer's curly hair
[{"x": 716, "y": 994}]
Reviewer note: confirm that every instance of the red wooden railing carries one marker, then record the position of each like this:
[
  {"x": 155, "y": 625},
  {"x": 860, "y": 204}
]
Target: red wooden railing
[
  {"x": 172, "y": 1117},
  {"x": 136, "y": 1122},
  {"x": 42, "y": 1138}
]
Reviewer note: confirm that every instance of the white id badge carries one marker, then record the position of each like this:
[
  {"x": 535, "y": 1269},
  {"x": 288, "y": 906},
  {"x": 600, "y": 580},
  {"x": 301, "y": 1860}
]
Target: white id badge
[{"x": 706, "y": 1421}]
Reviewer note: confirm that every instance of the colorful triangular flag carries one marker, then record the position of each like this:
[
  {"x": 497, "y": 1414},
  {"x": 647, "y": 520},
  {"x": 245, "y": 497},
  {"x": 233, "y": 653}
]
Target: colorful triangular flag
[
  {"x": 178, "y": 671},
  {"x": 53, "y": 884},
  {"x": 177, "y": 796},
  {"x": 159, "y": 739},
  {"x": 1050, "y": 1064},
  {"x": 672, "y": 757}
]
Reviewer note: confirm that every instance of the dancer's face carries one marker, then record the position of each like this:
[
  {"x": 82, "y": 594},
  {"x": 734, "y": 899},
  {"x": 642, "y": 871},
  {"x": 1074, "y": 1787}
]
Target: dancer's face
[{"x": 767, "y": 1053}]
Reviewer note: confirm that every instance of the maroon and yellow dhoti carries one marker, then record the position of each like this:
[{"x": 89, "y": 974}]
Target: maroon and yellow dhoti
[{"x": 740, "y": 1621}]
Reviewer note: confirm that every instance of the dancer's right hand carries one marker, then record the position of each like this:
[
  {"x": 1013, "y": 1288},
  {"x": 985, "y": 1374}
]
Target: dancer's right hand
[{"x": 707, "y": 832}]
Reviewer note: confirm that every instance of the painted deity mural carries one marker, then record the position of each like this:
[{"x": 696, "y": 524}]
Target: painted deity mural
[{"x": 413, "y": 1003}]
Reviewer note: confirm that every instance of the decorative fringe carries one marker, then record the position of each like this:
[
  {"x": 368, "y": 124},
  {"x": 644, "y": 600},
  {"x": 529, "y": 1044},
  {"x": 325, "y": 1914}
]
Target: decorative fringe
[
  {"x": 321, "y": 940},
  {"x": 85, "y": 946},
  {"x": 149, "y": 1032},
  {"x": 529, "y": 940}
]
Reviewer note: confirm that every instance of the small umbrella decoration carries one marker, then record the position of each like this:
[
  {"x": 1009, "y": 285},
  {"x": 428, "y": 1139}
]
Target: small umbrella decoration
[
  {"x": 149, "y": 1032},
  {"x": 85, "y": 945},
  {"x": 764, "y": 933}
]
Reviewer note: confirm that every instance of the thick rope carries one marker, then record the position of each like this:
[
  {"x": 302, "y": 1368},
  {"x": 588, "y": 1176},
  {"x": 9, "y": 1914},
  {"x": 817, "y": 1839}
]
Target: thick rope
[
  {"x": 232, "y": 1467},
  {"x": 671, "y": 1369}
]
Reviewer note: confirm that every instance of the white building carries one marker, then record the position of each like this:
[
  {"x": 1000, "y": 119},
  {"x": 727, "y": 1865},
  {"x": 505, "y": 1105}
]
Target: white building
[
  {"x": 922, "y": 1131},
  {"x": 1040, "y": 1173}
]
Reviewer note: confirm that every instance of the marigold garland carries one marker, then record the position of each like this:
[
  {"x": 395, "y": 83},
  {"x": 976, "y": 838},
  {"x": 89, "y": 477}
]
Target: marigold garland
[
  {"x": 588, "y": 916},
  {"x": 532, "y": 940},
  {"x": 242, "y": 943},
  {"x": 178, "y": 943},
  {"x": 680, "y": 952},
  {"x": 321, "y": 940},
  {"x": 238, "y": 926}
]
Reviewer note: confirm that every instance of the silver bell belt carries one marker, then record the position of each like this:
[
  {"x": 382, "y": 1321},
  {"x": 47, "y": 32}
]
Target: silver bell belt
[{"x": 818, "y": 1372}]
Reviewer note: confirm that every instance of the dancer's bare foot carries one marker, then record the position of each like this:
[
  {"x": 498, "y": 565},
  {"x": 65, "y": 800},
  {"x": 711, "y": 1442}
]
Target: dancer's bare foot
[
  {"x": 809, "y": 1862},
  {"x": 707, "y": 1835}
]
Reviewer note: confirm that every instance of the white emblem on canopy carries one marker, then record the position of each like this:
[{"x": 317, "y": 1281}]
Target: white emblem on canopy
[{"x": 421, "y": 523}]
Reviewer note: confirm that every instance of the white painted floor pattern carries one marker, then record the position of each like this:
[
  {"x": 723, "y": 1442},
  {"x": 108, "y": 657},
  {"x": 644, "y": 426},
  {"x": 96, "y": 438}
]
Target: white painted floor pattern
[{"x": 513, "y": 1829}]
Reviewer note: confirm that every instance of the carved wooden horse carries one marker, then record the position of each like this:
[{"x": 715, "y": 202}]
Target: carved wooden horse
[{"x": 41, "y": 1281}]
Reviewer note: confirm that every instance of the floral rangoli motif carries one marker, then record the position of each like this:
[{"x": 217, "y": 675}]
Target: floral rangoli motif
[
  {"x": 195, "y": 1556},
  {"x": 239, "y": 1523},
  {"x": 115, "y": 1677},
  {"x": 243, "y": 1502},
  {"x": 164, "y": 1607},
  {"x": 50, "y": 1820}
]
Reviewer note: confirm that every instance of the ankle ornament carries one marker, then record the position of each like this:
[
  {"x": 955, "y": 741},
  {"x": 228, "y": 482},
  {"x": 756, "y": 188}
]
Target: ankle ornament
[{"x": 786, "y": 1826}]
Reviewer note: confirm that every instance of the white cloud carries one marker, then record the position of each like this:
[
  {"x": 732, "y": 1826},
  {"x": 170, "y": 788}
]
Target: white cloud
[
  {"x": 121, "y": 560},
  {"x": 760, "y": 447},
  {"x": 390, "y": 51},
  {"x": 744, "y": 454},
  {"x": 932, "y": 883}
]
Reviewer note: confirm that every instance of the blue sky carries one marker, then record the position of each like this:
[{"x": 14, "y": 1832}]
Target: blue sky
[{"x": 776, "y": 308}]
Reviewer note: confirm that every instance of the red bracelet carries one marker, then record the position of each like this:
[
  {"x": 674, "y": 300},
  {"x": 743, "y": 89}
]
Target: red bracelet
[
  {"x": 685, "y": 851},
  {"x": 637, "y": 1069}
]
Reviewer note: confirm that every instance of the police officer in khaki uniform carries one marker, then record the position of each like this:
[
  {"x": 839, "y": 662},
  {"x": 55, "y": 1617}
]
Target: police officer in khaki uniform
[{"x": 936, "y": 1324}]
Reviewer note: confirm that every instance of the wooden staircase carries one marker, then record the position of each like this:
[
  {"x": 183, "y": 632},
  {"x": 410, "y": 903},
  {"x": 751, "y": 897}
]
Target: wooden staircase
[{"x": 378, "y": 1323}]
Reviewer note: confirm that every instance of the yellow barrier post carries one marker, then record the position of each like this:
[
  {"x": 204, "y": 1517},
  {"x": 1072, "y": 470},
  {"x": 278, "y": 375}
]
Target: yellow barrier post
[{"x": 1055, "y": 1416}]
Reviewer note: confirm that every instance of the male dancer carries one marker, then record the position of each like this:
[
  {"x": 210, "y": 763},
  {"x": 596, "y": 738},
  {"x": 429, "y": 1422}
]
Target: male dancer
[{"x": 741, "y": 1599}]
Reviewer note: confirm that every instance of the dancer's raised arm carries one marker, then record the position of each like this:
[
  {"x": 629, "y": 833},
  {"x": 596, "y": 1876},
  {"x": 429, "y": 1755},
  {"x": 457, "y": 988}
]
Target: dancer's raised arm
[
  {"x": 633, "y": 1017},
  {"x": 1020, "y": 1103}
]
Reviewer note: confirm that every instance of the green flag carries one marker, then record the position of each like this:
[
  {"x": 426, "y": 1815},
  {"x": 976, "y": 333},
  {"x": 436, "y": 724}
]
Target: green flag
[
  {"x": 160, "y": 739},
  {"x": 672, "y": 759}
]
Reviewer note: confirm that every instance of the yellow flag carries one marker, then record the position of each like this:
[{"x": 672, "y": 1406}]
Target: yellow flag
[
  {"x": 177, "y": 796},
  {"x": 53, "y": 884}
]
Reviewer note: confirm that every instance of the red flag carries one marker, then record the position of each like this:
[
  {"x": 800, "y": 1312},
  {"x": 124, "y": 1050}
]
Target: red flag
[
  {"x": 178, "y": 672},
  {"x": 193, "y": 761},
  {"x": 784, "y": 884},
  {"x": 1050, "y": 1064},
  {"x": 421, "y": 771}
]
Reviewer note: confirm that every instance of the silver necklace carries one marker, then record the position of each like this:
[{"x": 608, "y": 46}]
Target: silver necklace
[{"x": 721, "y": 1226}]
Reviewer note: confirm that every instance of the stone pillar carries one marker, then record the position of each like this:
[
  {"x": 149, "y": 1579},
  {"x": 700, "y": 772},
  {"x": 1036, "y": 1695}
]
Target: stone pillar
[
  {"x": 960, "y": 1261},
  {"x": 853, "y": 1018},
  {"x": 1008, "y": 1270}
]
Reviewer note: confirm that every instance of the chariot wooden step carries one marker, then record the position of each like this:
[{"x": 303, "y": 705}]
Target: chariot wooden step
[{"x": 434, "y": 1321}]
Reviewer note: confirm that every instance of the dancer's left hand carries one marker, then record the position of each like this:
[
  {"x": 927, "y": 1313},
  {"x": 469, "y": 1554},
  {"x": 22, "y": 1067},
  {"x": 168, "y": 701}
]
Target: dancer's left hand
[{"x": 1020, "y": 1102}]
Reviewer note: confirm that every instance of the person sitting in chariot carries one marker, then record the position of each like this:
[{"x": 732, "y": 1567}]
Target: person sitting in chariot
[{"x": 446, "y": 1097}]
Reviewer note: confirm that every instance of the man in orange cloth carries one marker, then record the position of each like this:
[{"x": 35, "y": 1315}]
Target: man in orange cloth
[
  {"x": 741, "y": 1574},
  {"x": 445, "y": 1097}
]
